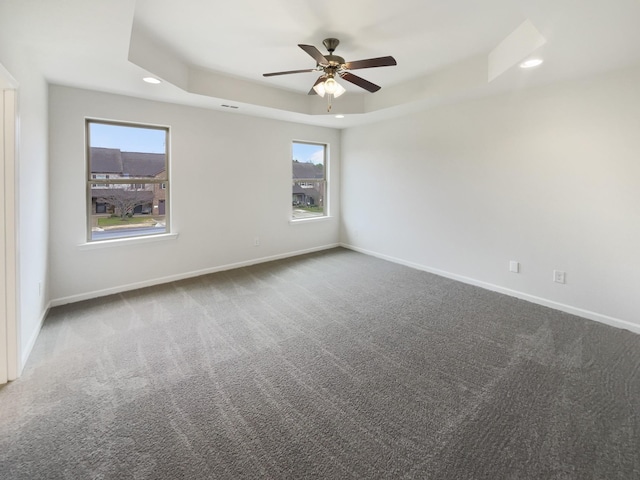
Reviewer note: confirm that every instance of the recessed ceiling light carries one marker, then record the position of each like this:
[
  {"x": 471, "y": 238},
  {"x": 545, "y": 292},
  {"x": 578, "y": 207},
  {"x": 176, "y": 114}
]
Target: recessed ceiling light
[
  {"x": 152, "y": 80},
  {"x": 532, "y": 62},
  {"x": 339, "y": 116}
]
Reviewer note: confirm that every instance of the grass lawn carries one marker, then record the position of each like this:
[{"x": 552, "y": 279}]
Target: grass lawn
[
  {"x": 311, "y": 209},
  {"x": 117, "y": 221}
]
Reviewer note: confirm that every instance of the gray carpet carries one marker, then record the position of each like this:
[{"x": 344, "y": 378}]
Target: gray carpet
[{"x": 331, "y": 365}]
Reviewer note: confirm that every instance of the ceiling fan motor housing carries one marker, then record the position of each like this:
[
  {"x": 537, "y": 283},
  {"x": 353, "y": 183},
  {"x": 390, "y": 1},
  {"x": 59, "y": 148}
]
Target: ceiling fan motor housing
[
  {"x": 335, "y": 61},
  {"x": 331, "y": 44}
]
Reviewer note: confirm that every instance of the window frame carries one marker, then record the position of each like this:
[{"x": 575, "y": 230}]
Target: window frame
[
  {"x": 91, "y": 182},
  {"x": 324, "y": 180}
]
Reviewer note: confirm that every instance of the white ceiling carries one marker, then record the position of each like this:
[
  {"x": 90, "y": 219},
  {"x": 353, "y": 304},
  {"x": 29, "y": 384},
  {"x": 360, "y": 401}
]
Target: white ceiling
[{"x": 211, "y": 53}]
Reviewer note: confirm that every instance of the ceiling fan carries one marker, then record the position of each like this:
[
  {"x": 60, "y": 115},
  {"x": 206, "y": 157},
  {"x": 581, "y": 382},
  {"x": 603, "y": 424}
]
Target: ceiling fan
[{"x": 333, "y": 66}]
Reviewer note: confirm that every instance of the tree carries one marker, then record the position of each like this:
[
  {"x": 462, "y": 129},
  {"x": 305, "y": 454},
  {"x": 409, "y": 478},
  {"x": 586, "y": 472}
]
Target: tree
[{"x": 125, "y": 201}]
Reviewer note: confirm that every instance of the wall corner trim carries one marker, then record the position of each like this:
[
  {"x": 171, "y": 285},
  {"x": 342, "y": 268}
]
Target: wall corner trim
[{"x": 24, "y": 355}]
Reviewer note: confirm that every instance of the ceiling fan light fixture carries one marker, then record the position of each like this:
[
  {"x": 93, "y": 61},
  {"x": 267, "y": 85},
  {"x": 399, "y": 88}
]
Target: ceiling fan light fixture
[
  {"x": 319, "y": 88},
  {"x": 329, "y": 87},
  {"x": 339, "y": 90},
  {"x": 333, "y": 65}
]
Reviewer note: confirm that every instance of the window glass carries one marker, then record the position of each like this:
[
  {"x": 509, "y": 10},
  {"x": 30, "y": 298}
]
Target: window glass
[
  {"x": 116, "y": 154},
  {"x": 309, "y": 193}
]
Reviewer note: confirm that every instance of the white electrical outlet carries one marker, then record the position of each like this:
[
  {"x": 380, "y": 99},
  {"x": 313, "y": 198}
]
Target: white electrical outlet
[
  {"x": 514, "y": 266},
  {"x": 559, "y": 276},
  {"x": 256, "y": 242}
]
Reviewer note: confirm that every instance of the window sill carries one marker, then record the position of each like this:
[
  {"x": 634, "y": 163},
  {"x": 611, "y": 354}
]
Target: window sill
[
  {"x": 127, "y": 241},
  {"x": 300, "y": 221}
]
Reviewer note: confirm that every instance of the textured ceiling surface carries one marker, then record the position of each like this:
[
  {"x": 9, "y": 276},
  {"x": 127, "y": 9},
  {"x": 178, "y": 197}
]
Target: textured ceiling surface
[
  {"x": 252, "y": 37},
  {"x": 213, "y": 53}
]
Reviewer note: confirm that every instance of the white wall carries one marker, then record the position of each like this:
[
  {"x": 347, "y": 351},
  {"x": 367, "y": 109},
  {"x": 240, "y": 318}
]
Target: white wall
[
  {"x": 231, "y": 182},
  {"x": 32, "y": 214},
  {"x": 549, "y": 177}
]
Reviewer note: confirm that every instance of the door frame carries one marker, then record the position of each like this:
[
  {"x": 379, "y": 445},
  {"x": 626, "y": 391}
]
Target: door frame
[{"x": 9, "y": 348}]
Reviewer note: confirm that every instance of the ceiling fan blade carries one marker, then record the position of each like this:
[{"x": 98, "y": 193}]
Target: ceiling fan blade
[
  {"x": 361, "y": 82},
  {"x": 315, "y": 53},
  {"x": 320, "y": 79},
  {"x": 372, "y": 62},
  {"x": 288, "y": 72}
]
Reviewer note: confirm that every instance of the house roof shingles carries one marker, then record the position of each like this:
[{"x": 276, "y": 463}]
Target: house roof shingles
[
  {"x": 132, "y": 164},
  {"x": 307, "y": 171},
  {"x": 105, "y": 160},
  {"x": 142, "y": 164}
]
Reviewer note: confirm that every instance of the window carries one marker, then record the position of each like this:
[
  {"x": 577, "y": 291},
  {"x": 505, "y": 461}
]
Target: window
[
  {"x": 309, "y": 193},
  {"x": 102, "y": 177},
  {"x": 118, "y": 153}
]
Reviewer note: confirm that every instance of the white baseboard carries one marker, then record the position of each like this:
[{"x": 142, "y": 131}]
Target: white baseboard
[
  {"x": 181, "y": 276},
  {"x": 598, "y": 317}
]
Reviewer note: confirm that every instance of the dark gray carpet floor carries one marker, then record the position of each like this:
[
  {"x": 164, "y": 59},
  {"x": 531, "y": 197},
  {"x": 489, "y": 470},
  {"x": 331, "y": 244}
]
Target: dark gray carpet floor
[{"x": 331, "y": 365}]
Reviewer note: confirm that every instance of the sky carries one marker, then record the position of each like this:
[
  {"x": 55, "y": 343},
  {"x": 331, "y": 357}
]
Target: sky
[
  {"x": 127, "y": 139},
  {"x": 308, "y": 153},
  {"x": 151, "y": 140}
]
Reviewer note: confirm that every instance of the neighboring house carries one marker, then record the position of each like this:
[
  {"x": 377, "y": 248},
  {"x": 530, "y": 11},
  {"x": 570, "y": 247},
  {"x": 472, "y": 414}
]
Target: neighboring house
[
  {"x": 113, "y": 164},
  {"x": 159, "y": 195},
  {"x": 307, "y": 184}
]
